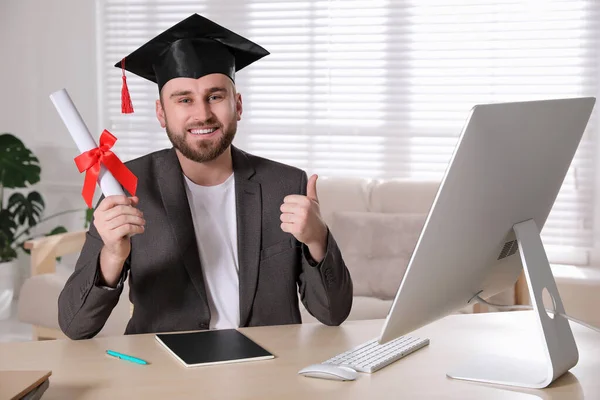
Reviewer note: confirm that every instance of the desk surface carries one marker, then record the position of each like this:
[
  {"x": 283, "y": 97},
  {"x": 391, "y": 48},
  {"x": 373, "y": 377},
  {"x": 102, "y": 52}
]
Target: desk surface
[
  {"x": 16, "y": 384},
  {"x": 80, "y": 369}
]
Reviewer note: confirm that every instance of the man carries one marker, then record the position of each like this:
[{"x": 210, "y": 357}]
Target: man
[{"x": 215, "y": 237}]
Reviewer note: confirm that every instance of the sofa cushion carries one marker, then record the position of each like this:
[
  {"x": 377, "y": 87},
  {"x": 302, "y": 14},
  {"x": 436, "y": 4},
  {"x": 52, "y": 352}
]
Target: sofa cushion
[
  {"x": 343, "y": 194},
  {"x": 376, "y": 248},
  {"x": 403, "y": 196},
  {"x": 38, "y": 304},
  {"x": 38, "y": 301}
]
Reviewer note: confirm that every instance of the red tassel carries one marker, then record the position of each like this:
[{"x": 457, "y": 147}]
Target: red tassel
[{"x": 126, "y": 105}]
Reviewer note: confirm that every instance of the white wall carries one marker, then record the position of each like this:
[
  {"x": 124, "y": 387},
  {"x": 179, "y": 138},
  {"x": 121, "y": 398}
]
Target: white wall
[{"x": 46, "y": 46}]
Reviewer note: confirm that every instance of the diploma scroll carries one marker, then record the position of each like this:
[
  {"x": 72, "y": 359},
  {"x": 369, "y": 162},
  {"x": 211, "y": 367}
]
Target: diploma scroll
[{"x": 83, "y": 139}]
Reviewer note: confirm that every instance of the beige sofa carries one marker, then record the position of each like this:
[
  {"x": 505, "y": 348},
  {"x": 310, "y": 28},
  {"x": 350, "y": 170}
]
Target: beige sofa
[
  {"x": 38, "y": 297},
  {"x": 376, "y": 224}
]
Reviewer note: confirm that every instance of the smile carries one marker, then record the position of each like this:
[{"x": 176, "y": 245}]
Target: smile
[{"x": 207, "y": 131}]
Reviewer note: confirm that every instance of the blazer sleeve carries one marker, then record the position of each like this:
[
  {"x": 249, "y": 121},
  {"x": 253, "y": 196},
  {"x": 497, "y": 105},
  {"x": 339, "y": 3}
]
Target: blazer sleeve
[
  {"x": 325, "y": 288},
  {"x": 84, "y": 304}
]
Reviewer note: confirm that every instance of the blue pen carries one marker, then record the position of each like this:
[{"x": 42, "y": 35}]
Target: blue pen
[{"x": 126, "y": 357}]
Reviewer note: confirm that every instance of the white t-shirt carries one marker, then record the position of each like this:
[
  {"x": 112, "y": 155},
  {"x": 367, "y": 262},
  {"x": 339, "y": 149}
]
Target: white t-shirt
[{"x": 214, "y": 216}]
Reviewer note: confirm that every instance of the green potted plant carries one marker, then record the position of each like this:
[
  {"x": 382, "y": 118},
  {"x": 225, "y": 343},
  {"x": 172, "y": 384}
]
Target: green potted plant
[{"x": 20, "y": 212}]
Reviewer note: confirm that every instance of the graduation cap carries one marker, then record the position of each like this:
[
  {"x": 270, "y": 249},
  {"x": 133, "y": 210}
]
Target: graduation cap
[{"x": 192, "y": 48}]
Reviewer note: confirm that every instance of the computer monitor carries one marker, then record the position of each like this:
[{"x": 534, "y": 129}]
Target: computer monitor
[{"x": 501, "y": 183}]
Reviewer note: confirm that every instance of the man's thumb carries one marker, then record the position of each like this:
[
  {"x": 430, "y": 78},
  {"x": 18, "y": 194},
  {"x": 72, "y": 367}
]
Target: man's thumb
[{"x": 311, "y": 188}]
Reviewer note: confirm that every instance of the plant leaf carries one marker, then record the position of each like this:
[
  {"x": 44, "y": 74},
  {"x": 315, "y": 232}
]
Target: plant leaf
[
  {"x": 28, "y": 208},
  {"x": 89, "y": 215},
  {"x": 18, "y": 165},
  {"x": 57, "y": 230},
  {"x": 7, "y": 231},
  {"x": 7, "y": 226},
  {"x": 7, "y": 253}
]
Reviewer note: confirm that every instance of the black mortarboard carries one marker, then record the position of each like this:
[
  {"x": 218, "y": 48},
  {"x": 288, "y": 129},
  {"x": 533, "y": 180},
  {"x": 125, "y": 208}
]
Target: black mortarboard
[{"x": 192, "y": 48}]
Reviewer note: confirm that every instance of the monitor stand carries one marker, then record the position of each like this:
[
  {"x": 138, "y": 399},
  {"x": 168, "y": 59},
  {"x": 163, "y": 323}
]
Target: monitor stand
[{"x": 560, "y": 350}]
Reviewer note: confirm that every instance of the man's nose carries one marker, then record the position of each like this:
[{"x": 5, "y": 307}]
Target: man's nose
[{"x": 202, "y": 112}]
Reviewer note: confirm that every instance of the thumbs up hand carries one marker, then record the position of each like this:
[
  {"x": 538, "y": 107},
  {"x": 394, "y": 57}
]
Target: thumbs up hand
[{"x": 301, "y": 216}]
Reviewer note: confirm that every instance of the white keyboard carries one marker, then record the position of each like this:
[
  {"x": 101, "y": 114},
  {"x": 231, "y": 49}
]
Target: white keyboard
[{"x": 372, "y": 356}]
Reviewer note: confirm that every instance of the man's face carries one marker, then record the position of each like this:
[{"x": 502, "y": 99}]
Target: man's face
[{"x": 200, "y": 115}]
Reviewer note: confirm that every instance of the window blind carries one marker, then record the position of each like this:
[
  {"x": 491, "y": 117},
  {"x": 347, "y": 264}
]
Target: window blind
[{"x": 377, "y": 88}]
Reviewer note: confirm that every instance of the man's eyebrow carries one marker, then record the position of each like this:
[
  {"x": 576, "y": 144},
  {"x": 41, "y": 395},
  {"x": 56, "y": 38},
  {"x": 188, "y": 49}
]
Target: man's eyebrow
[
  {"x": 216, "y": 89},
  {"x": 180, "y": 93}
]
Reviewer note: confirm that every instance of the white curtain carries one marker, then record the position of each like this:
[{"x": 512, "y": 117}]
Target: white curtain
[{"x": 377, "y": 88}]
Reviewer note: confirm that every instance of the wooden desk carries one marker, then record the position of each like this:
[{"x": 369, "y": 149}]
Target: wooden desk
[
  {"x": 80, "y": 369},
  {"x": 16, "y": 384}
]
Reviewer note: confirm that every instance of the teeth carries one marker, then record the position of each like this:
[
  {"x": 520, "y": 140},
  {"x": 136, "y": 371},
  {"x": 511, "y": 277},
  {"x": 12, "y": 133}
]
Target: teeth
[{"x": 202, "y": 131}]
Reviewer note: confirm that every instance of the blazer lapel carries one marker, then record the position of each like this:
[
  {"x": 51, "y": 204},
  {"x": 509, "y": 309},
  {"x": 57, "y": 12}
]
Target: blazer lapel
[
  {"x": 248, "y": 202},
  {"x": 175, "y": 202}
]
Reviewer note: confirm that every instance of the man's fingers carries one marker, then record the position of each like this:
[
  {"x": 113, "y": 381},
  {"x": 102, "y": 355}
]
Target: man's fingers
[
  {"x": 289, "y": 218},
  {"x": 296, "y": 199},
  {"x": 291, "y": 208},
  {"x": 287, "y": 227},
  {"x": 111, "y": 201},
  {"x": 121, "y": 210},
  {"x": 124, "y": 220},
  {"x": 128, "y": 230}
]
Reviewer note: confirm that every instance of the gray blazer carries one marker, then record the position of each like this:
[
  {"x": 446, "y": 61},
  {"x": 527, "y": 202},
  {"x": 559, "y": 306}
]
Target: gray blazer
[{"x": 164, "y": 272}]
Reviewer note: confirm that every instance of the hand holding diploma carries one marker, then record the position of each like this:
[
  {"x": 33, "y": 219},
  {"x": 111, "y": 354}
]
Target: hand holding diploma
[{"x": 116, "y": 218}]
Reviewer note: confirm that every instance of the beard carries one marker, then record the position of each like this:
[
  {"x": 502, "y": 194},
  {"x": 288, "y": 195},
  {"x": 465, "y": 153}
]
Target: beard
[{"x": 203, "y": 150}]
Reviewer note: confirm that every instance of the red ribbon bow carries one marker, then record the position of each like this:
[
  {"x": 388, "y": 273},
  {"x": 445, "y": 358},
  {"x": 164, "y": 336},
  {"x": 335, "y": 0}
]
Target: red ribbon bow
[{"x": 90, "y": 161}]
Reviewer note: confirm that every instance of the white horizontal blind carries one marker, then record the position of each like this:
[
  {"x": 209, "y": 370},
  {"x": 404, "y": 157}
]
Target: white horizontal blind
[
  {"x": 376, "y": 88},
  {"x": 469, "y": 52}
]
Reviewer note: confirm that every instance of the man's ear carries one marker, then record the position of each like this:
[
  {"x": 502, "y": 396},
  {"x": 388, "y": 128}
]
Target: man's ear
[
  {"x": 238, "y": 106},
  {"x": 160, "y": 113}
]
